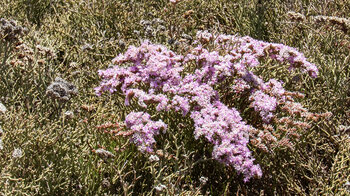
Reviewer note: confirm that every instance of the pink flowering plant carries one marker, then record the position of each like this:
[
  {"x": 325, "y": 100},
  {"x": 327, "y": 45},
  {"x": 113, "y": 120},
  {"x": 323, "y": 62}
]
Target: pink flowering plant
[{"x": 217, "y": 86}]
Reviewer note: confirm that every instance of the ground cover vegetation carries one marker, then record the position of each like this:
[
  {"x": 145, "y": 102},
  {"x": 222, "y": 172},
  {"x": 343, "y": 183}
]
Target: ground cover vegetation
[{"x": 175, "y": 97}]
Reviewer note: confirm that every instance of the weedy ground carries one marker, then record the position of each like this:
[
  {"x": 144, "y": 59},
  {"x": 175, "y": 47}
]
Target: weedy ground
[{"x": 50, "y": 147}]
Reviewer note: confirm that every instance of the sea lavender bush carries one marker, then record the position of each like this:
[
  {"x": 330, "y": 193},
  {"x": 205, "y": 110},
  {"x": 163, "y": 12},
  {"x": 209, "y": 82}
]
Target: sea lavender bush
[
  {"x": 156, "y": 77},
  {"x": 57, "y": 159}
]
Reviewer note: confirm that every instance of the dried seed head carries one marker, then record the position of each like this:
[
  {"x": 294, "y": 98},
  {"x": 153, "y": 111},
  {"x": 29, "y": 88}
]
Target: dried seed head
[
  {"x": 106, "y": 183},
  {"x": 171, "y": 41},
  {"x": 344, "y": 129},
  {"x": 347, "y": 185},
  {"x": 294, "y": 16},
  {"x": 121, "y": 43},
  {"x": 187, "y": 37},
  {"x": 188, "y": 14},
  {"x": 69, "y": 114},
  {"x": 145, "y": 23},
  {"x": 203, "y": 180},
  {"x": 86, "y": 47},
  {"x": 344, "y": 23},
  {"x": 73, "y": 65},
  {"x": 158, "y": 21},
  {"x": 61, "y": 90},
  {"x": 150, "y": 32},
  {"x": 153, "y": 158},
  {"x": 45, "y": 51},
  {"x": 137, "y": 32},
  {"x": 41, "y": 61},
  {"x": 204, "y": 36},
  {"x": 17, "y": 153},
  {"x": 161, "y": 28},
  {"x": 88, "y": 108},
  {"x": 10, "y": 31},
  {"x": 160, "y": 187},
  {"x": 104, "y": 154}
]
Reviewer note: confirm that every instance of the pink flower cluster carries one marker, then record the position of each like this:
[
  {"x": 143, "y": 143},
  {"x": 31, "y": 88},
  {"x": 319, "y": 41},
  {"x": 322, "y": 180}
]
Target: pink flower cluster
[
  {"x": 144, "y": 129},
  {"x": 264, "y": 104},
  {"x": 156, "y": 76},
  {"x": 225, "y": 128},
  {"x": 250, "y": 50}
]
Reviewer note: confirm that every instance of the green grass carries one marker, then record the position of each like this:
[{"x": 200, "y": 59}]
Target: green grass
[{"x": 58, "y": 152}]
